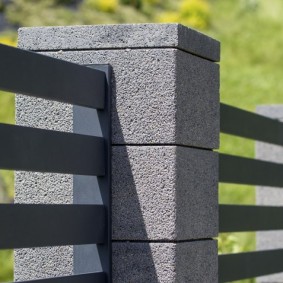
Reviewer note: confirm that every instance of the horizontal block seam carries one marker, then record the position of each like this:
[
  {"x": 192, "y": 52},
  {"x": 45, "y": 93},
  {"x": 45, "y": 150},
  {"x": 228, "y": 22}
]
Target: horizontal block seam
[
  {"x": 164, "y": 145},
  {"x": 163, "y": 241},
  {"x": 120, "y": 48}
]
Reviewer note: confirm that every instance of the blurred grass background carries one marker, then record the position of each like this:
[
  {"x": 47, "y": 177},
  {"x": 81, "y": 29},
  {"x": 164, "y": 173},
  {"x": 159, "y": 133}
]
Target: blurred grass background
[{"x": 251, "y": 67}]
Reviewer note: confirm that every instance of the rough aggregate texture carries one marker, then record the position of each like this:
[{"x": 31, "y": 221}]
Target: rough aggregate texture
[
  {"x": 270, "y": 195},
  {"x": 164, "y": 193},
  {"x": 165, "y": 262},
  {"x": 120, "y": 36},
  {"x": 196, "y": 192},
  {"x": 32, "y": 187},
  {"x": 35, "y": 187},
  {"x": 44, "y": 114},
  {"x": 37, "y": 263},
  {"x": 162, "y": 96},
  {"x": 197, "y": 102}
]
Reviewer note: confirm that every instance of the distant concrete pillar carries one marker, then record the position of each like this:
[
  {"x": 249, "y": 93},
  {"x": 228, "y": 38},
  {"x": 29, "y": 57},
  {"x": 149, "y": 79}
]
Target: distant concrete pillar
[
  {"x": 165, "y": 123},
  {"x": 268, "y": 240}
]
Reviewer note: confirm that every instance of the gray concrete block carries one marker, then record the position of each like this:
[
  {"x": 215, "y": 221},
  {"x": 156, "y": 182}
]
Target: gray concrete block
[
  {"x": 160, "y": 96},
  {"x": 197, "y": 102},
  {"x": 165, "y": 262},
  {"x": 47, "y": 188},
  {"x": 164, "y": 193},
  {"x": 269, "y": 195},
  {"x": 34, "y": 187},
  {"x": 120, "y": 36},
  {"x": 271, "y": 111},
  {"x": 44, "y": 114},
  {"x": 37, "y": 263}
]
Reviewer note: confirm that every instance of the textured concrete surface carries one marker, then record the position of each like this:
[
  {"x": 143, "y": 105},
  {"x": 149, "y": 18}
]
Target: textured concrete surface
[
  {"x": 162, "y": 96},
  {"x": 197, "y": 102},
  {"x": 37, "y": 263},
  {"x": 43, "y": 188},
  {"x": 269, "y": 195},
  {"x": 164, "y": 193},
  {"x": 120, "y": 36},
  {"x": 55, "y": 188},
  {"x": 165, "y": 262}
]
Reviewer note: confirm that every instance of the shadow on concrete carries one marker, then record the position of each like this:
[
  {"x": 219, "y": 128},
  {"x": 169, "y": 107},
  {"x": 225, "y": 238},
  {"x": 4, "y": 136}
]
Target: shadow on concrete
[{"x": 132, "y": 260}]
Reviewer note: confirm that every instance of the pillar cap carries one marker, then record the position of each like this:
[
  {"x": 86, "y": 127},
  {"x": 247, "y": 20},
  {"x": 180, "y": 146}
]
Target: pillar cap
[{"x": 120, "y": 36}]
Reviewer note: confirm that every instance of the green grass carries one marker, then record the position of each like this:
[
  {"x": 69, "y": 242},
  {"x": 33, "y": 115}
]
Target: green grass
[
  {"x": 7, "y": 115},
  {"x": 251, "y": 55},
  {"x": 6, "y": 265}
]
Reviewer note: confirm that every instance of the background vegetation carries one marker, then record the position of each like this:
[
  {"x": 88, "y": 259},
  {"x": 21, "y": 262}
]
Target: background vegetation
[{"x": 251, "y": 67}]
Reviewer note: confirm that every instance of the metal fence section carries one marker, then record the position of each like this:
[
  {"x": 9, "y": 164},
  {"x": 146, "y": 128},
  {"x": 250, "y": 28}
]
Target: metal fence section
[
  {"x": 38, "y": 150},
  {"x": 241, "y": 218}
]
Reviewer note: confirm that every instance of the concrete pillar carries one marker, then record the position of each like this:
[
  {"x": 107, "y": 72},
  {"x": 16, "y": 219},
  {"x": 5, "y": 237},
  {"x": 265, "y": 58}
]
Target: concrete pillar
[
  {"x": 269, "y": 195},
  {"x": 165, "y": 123}
]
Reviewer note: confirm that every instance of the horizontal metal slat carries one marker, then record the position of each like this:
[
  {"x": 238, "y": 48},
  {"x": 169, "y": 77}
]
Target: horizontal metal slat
[
  {"x": 41, "y": 76},
  {"x": 241, "y": 218},
  {"x": 98, "y": 277},
  {"x": 29, "y": 149},
  {"x": 240, "y": 170},
  {"x": 39, "y": 225},
  {"x": 235, "y": 121},
  {"x": 234, "y": 267}
]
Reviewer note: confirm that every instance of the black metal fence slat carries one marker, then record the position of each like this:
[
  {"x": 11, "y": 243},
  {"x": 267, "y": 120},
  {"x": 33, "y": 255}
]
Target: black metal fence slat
[
  {"x": 30, "y": 149},
  {"x": 105, "y": 250},
  {"x": 234, "y": 267},
  {"x": 98, "y": 277},
  {"x": 241, "y": 218},
  {"x": 38, "y": 225},
  {"x": 235, "y": 121},
  {"x": 45, "y": 77},
  {"x": 240, "y": 170}
]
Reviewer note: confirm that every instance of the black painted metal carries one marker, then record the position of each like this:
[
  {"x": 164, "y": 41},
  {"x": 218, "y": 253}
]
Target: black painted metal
[
  {"x": 105, "y": 250},
  {"x": 241, "y": 218},
  {"x": 234, "y": 267},
  {"x": 29, "y": 149},
  {"x": 98, "y": 277},
  {"x": 45, "y": 77},
  {"x": 240, "y": 170},
  {"x": 235, "y": 121},
  {"x": 38, "y": 225}
]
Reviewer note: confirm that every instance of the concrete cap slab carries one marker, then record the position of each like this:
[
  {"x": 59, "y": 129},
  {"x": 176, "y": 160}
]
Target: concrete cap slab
[{"x": 120, "y": 36}]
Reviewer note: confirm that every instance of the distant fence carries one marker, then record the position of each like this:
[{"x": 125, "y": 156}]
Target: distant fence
[
  {"x": 31, "y": 149},
  {"x": 239, "y": 170}
]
